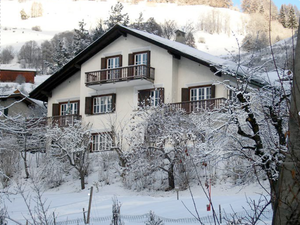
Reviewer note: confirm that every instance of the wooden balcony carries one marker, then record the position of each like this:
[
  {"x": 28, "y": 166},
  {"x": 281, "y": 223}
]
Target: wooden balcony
[
  {"x": 198, "y": 106},
  {"x": 63, "y": 121},
  {"x": 116, "y": 75}
]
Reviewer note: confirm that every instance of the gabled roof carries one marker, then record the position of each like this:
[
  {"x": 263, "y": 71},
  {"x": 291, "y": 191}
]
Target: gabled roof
[
  {"x": 17, "y": 95},
  {"x": 175, "y": 48}
]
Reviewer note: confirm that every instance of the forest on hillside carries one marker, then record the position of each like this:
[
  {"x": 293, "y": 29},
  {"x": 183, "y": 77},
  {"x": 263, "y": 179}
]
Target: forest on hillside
[{"x": 50, "y": 55}]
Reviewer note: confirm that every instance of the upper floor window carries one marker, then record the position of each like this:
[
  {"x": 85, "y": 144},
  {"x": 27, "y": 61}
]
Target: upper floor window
[
  {"x": 69, "y": 108},
  {"x": 200, "y": 93},
  {"x": 109, "y": 65},
  {"x": 151, "y": 97},
  {"x": 100, "y": 104}
]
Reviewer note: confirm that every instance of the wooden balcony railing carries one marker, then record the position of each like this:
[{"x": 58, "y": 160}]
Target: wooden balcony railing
[
  {"x": 120, "y": 74},
  {"x": 198, "y": 106},
  {"x": 63, "y": 121}
]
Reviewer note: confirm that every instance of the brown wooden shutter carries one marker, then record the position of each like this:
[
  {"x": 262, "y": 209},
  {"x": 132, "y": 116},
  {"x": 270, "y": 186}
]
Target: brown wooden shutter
[
  {"x": 213, "y": 91},
  {"x": 130, "y": 62},
  {"x": 130, "y": 59},
  {"x": 144, "y": 96},
  {"x": 185, "y": 94},
  {"x": 148, "y": 58},
  {"x": 88, "y": 105},
  {"x": 162, "y": 95},
  {"x": 103, "y": 63},
  {"x": 114, "y": 105},
  {"x": 120, "y": 60},
  {"x": 55, "y": 109}
]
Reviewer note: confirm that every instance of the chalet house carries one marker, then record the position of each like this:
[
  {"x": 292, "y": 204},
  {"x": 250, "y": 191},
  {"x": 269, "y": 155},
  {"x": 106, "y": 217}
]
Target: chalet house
[
  {"x": 15, "y": 103},
  {"x": 17, "y": 75},
  {"x": 126, "y": 68}
]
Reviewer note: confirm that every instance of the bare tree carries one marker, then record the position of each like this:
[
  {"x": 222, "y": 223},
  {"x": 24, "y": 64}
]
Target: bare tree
[
  {"x": 7, "y": 55},
  {"x": 71, "y": 143}
]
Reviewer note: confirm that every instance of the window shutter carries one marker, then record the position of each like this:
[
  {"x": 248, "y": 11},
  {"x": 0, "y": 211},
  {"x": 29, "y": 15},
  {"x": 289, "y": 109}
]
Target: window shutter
[
  {"x": 130, "y": 62},
  {"x": 114, "y": 98},
  {"x": 185, "y": 94},
  {"x": 162, "y": 95},
  {"x": 120, "y": 60},
  {"x": 213, "y": 91},
  {"x": 130, "y": 59},
  {"x": 55, "y": 109},
  {"x": 88, "y": 105},
  {"x": 144, "y": 96},
  {"x": 148, "y": 58},
  {"x": 103, "y": 63}
]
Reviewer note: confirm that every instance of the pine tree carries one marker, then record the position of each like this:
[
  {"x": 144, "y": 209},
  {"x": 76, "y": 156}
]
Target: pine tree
[
  {"x": 282, "y": 16},
  {"x": 60, "y": 57},
  {"x": 292, "y": 22},
  {"x": 82, "y": 38},
  {"x": 116, "y": 16},
  {"x": 98, "y": 31},
  {"x": 246, "y": 6}
]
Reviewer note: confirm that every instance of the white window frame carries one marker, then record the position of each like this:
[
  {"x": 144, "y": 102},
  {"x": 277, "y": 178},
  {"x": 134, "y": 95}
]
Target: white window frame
[
  {"x": 69, "y": 108},
  {"x": 102, "y": 104},
  {"x": 101, "y": 142},
  {"x": 113, "y": 62},
  {"x": 200, "y": 93},
  {"x": 140, "y": 59},
  {"x": 155, "y": 97}
]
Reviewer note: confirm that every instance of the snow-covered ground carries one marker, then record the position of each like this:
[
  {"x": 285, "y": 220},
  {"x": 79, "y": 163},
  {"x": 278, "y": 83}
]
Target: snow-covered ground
[{"x": 67, "y": 202}]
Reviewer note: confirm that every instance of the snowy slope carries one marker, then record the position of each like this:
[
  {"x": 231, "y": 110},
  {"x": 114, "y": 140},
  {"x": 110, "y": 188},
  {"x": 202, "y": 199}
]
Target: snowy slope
[{"x": 16, "y": 32}]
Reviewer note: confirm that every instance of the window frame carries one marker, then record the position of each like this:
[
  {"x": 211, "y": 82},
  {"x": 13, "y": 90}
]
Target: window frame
[
  {"x": 66, "y": 103},
  {"x": 158, "y": 100},
  {"x": 100, "y": 145},
  {"x": 89, "y": 104}
]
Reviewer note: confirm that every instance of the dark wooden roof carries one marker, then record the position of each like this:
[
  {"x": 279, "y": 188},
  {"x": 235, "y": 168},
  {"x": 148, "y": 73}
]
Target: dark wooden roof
[{"x": 44, "y": 90}]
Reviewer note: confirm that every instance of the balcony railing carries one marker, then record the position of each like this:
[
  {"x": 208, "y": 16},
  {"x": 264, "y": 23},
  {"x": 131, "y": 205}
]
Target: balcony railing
[
  {"x": 63, "y": 121},
  {"x": 120, "y": 74},
  {"x": 198, "y": 106}
]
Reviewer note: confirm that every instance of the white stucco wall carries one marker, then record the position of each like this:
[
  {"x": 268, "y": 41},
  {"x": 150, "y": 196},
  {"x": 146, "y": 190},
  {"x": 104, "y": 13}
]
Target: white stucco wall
[{"x": 69, "y": 90}]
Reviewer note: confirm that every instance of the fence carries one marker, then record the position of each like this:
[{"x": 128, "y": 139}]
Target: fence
[{"x": 141, "y": 219}]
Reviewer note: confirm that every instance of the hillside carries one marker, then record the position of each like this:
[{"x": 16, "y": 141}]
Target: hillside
[{"x": 15, "y": 31}]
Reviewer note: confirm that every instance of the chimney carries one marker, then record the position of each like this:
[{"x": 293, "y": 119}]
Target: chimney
[{"x": 180, "y": 36}]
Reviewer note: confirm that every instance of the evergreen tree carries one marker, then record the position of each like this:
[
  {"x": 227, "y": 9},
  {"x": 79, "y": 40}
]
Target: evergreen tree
[
  {"x": 116, "y": 16},
  {"x": 82, "y": 38},
  {"x": 98, "y": 31},
  {"x": 292, "y": 21},
  {"x": 282, "y": 16},
  {"x": 138, "y": 24},
  {"x": 60, "y": 57},
  {"x": 151, "y": 26},
  {"x": 246, "y": 6}
]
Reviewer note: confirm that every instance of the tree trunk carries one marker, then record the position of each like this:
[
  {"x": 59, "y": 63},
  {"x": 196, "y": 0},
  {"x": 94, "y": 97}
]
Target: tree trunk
[
  {"x": 287, "y": 207},
  {"x": 24, "y": 157},
  {"x": 171, "y": 178},
  {"x": 82, "y": 176}
]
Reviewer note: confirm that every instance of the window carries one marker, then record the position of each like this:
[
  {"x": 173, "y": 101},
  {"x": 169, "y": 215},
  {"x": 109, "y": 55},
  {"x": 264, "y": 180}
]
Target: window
[
  {"x": 200, "y": 93},
  {"x": 112, "y": 63},
  {"x": 100, "y": 104},
  {"x": 69, "y": 108},
  {"x": 140, "y": 59},
  {"x": 101, "y": 142},
  {"x": 152, "y": 97}
]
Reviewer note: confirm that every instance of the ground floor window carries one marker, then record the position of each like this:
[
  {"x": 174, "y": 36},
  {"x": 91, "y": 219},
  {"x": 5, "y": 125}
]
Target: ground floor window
[{"x": 101, "y": 142}]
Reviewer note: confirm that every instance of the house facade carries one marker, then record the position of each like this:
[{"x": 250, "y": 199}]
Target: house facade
[{"x": 125, "y": 69}]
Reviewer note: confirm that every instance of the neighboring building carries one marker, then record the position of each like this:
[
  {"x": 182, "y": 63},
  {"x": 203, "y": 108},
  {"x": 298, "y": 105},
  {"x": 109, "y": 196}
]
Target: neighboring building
[
  {"x": 15, "y": 103},
  {"x": 17, "y": 75},
  {"x": 125, "y": 68}
]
